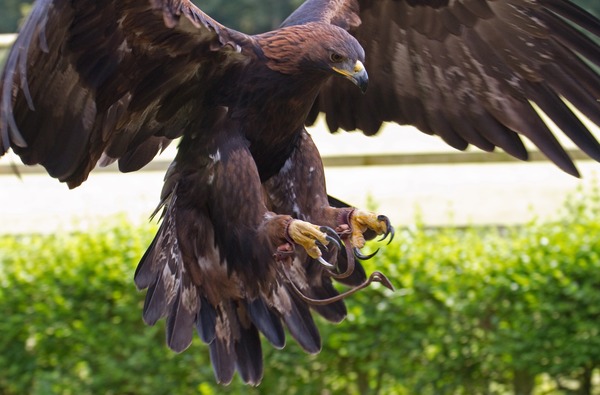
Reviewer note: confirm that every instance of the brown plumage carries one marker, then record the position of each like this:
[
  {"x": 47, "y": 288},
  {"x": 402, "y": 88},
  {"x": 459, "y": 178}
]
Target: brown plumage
[{"x": 89, "y": 83}]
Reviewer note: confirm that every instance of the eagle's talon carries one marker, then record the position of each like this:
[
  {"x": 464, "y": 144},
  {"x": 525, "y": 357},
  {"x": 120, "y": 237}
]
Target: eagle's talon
[
  {"x": 361, "y": 221},
  {"x": 392, "y": 233},
  {"x": 321, "y": 245},
  {"x": 329, "y": 239},
  {"x": 358, "y": 254},
  {"x": 325, "y": 263},
  {"x": 314, "y": 239},
  {"x": 331, "y": 236},
  {"x": 389, "y": 229}
]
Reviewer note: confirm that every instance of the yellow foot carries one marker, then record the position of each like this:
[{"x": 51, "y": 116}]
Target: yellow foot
[
  {"x": 362, "y": 221},
  {"x": 313, "y": 238}
]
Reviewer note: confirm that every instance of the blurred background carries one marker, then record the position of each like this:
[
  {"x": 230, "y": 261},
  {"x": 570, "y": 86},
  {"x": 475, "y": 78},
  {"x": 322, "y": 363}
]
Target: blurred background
[{"x": 495, "y": 265}]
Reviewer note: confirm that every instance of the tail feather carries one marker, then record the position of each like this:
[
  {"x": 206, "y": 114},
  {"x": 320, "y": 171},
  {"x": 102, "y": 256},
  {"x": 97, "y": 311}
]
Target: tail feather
[
  {"x": 298, "y": 319},
  {"x": 267, "y": 322},
  {"x": 155, "y": 305},
  {"x": 145, "y": 276},
  {"x": 302, "y": 326},
  {"x": 180, "y": 322},
  {"x": 191, "y": 283},
  {"x": 222, "y": 348},
  {"x": 190, "y": 286},
  {"x": 223, "y": 360},
  {"x": 333, "y": 312},
  {"x": 206, "y": 321},
  {"x": 236, "y": 345},
  {"x": 159, "y": 272},
  {"x": 249, "y": 361}
]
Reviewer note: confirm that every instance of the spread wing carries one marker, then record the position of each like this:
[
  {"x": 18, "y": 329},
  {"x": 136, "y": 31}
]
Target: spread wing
[
  {"x": 468, "y": 70},
  {"x": 112, "y": 80}
]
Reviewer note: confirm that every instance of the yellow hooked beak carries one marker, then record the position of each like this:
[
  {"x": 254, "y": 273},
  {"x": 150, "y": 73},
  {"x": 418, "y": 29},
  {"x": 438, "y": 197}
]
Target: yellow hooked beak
[{"x": 358, "y": 75}]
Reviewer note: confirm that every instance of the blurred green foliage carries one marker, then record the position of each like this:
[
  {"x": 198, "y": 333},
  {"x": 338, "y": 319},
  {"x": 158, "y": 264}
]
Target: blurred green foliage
[
  {"x": 249, "y": 16},
  {"x": 11, "y": 14},
  {"x": 476, "y": 311}
]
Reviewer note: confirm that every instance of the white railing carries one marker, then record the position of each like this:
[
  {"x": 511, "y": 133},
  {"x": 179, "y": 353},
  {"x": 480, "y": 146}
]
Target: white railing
[
  {"x": 6, "y": 40},
  {"x": 398, "y": 159}
]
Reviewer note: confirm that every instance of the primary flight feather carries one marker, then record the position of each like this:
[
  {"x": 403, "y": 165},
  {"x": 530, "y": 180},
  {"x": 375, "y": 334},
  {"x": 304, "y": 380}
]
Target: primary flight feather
[{"x": 249, "y": 242}]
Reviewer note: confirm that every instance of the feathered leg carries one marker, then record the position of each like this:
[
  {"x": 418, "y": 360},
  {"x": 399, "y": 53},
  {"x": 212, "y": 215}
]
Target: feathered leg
[
  {"x": 213, "y": 264},
  {"x": 299, "y": 190}
]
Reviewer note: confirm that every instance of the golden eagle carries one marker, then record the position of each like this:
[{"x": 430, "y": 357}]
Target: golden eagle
[{"x": 249, "y": 242}]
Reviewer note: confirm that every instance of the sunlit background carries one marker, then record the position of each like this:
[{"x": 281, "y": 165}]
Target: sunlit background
[{"x": 417, "y": 180}]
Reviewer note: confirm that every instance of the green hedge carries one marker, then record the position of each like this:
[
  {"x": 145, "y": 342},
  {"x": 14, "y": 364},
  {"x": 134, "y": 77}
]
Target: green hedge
[{"x": 476, "y": 311}]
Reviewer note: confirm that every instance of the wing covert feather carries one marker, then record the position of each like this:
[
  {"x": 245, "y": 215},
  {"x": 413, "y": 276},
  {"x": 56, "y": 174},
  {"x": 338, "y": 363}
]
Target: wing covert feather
[{"x": 104, "y": 78}]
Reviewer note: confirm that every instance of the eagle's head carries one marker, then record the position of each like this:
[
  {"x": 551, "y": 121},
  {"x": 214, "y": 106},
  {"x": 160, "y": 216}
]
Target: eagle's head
[{"x": 316, "y": 48}]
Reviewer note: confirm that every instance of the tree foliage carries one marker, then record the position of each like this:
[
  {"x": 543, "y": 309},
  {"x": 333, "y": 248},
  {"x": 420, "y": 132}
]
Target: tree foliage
[
  {"x": 11, "y": 13},
  {"x": 476, "y": 311},
  {"x": 249, "y": 16}
]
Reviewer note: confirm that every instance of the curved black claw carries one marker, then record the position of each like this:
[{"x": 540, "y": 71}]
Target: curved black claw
[
  {"x": 331, "y": 236},
  {"x": 363, "y": 257},
  {"x": 389, "y": 228},
  {"x": 325, "y": 263}
]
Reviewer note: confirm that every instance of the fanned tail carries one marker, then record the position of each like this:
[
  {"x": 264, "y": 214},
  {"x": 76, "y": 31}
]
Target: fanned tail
[{"x": 191, "y": 285}]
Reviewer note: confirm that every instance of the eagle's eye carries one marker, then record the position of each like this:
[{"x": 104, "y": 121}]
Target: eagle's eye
[{"x": 336, "y": 57}]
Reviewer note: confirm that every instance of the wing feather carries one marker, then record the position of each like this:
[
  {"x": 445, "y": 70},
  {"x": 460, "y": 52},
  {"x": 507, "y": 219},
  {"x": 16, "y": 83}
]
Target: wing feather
[
  {"x": 103, "y": 72},
  {"x": 551, "y": 104},
  {"x": 571, "y": 11},
  {"x": 466, "y": 70}
]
